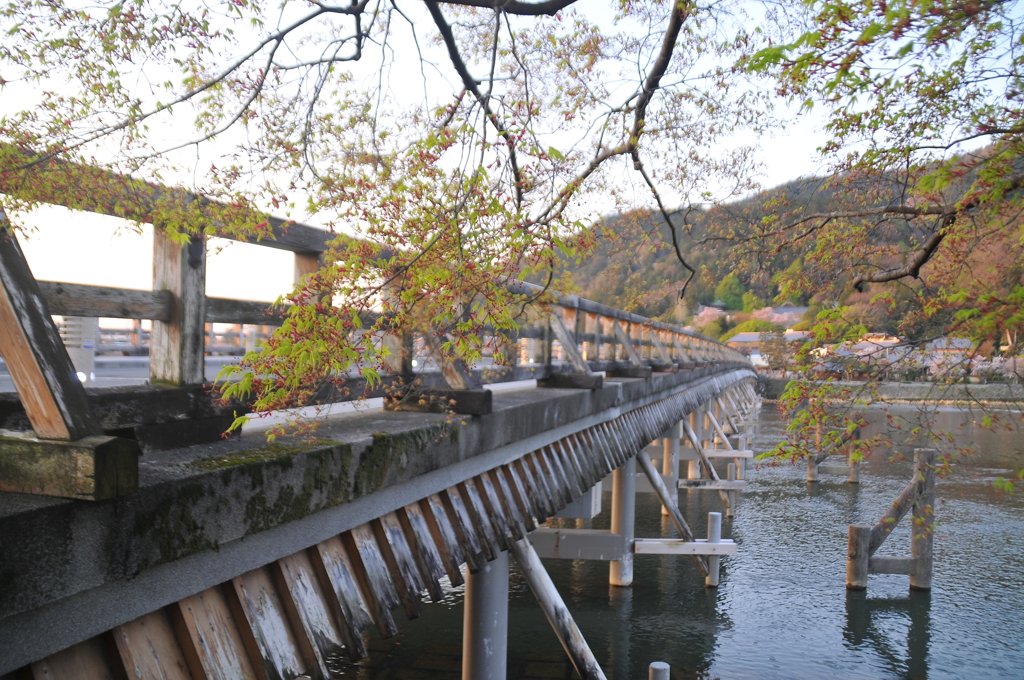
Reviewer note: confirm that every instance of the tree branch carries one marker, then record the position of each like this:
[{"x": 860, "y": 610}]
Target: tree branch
[
  {"x": 526, "y": 9},
  {"x": 470, "y": 84}
]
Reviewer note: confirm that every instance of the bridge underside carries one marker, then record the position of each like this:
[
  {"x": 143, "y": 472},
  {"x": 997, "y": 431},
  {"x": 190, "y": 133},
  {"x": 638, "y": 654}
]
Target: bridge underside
[{"x": 267, "y": 561}]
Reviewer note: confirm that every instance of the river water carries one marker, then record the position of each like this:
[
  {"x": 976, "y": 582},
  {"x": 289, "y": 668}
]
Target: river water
[{"x": 782, "y": 609}]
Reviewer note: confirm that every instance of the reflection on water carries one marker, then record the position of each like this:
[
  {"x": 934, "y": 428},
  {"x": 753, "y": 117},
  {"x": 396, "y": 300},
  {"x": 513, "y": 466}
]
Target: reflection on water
[{"x": 782, "y": 610}]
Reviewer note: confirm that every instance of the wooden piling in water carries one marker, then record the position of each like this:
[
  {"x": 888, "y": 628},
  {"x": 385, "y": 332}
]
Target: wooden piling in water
[{"x": 857, "y": 556}]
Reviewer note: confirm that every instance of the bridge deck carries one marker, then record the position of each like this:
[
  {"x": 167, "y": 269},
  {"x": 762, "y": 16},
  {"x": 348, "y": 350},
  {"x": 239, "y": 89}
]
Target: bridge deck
[{"x": 206, "y": 514}]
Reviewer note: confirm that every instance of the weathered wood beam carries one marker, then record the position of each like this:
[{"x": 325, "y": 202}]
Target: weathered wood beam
[
  {"x": 67, "y": 456},
  {"x": 40, "y": 368},
  {"x": 73, "y": 299},
  {"x": 569, "y": 345},
  {"x": 178, "y": 344}
]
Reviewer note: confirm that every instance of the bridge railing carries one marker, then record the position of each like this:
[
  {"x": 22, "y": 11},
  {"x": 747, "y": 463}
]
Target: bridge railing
[{"x": 178, "y": 409}]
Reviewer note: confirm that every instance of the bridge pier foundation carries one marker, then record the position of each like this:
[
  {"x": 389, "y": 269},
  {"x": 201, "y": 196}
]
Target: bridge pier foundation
[
  {"x": 485, "y": 622},
  {"x": 620, "y": 572}
]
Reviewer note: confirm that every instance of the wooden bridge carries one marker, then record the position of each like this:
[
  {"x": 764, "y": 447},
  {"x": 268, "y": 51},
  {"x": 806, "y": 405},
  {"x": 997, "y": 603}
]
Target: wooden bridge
[{"x": 135, "y": 542}]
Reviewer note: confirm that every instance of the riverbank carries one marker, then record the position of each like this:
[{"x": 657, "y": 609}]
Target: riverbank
[{"x": 916, "y": 392}]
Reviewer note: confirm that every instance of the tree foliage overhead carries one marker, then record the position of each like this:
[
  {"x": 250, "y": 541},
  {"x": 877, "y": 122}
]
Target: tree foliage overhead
[{"x": 464, "y": 144}]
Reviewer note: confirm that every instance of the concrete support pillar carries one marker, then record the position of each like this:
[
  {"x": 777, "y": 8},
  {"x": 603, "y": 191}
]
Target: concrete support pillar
[
  {"x": 620, "y": 572},
  {"x": 714, "y": 561},
  {"x": 670, "y": 458},
  {"x": 485, "y": 622},
  {"x": 693, "y": 468}
]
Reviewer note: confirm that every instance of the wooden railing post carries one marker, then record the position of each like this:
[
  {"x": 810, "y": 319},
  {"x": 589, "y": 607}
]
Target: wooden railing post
[{"x": 177, "y": 348}]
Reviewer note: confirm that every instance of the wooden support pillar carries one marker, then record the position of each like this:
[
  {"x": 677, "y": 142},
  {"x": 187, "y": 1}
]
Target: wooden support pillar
[
  {"x": 69, "y": 455},
  {"x": 177, "y": 349},
  {"x": 620, "y": 572},
  {"x": 923, "y": 528},
  {"x": 857, "y": 556}
]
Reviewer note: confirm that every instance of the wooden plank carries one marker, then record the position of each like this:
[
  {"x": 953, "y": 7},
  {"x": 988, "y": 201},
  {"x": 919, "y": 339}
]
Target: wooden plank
[
  {"x": 339, "y": 577},
  {"x": 569, "y": 467},
  {"x": 517, "y": 509},
  {"x": 373, "y": 576},
  {"x": 587, "y": 457},
  {"x": 674, "y": 546},
  {"x": 308, "y": 609},
  {"x": 546, "y": 499},
  {"x": 149, "y": 649},
  {"x": 400, "y": 561},
  {"x": 222, "y": 310},
  {"x": 494, "y": 513},
  {"x": 728, "y": 453},
  {"x": 451, "y": 535},
  {"x": 478, "y": 514},
  {"x": 254, "y": 599},
  {"x": 177, "y": 346},
  {"x": 715, "y": 485},
  {"x": 566, "y": 488},
  {"x": 211, "y": 639},
  {"x": 73, "y": 299},
  {"x": 30, "y": 344},
  {"x": 424, "y": 551},
  {"x": 524, "y": 486},
  {"x": 88, "y": 660}
]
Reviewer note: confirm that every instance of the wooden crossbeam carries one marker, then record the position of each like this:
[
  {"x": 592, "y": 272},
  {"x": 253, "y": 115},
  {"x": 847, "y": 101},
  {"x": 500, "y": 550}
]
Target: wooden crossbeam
[{"x": 674, "y": 546}]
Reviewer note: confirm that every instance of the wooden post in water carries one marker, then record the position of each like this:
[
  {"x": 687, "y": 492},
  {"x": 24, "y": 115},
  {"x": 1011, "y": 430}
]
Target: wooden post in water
[
  {"x": 620, "y": 572},
  {"x": 857, "y": 556},
  {"x": 923, "y": 528},
  {"x": 714, "y": 561}
]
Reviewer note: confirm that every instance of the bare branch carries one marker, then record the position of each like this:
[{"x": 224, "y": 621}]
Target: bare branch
[{"x": 526, "y": 9}]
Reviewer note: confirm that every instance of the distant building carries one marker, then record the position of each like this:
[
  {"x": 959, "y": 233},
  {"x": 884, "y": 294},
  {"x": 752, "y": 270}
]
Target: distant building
[{"x": 750, "y": 342}]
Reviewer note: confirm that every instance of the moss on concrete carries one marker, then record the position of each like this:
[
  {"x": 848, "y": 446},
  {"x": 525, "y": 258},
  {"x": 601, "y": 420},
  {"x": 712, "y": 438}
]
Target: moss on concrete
[
  {"x": 173, "y": 529},
  {"x": 392, "y": 453}
]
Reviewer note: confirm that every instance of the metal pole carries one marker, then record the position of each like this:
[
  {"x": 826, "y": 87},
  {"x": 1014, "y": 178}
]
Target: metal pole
[
  {"x": 714, "y": 536},
  {"x": 485, "y": 622},
  {"x": 659, "y": 670},
  {"x": 620, "y": 572},
  {"x": 554, "y": 609}
]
